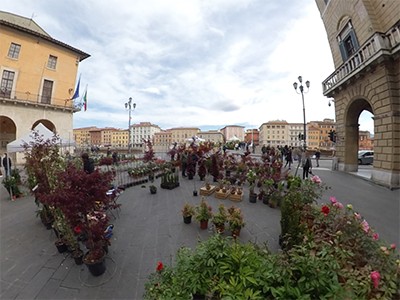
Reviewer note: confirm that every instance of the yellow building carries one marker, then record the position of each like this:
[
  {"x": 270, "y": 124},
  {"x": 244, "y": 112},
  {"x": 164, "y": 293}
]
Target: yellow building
[
  {"x": 82, "y": 136},
  {"x": 274, "y": 133},
  {"x": 213, "y": 136},
  {"x": 313, "y": 136},
  {"x": 38, "y": 76},
  {"x": 162, "y": 140},
  {"x": 120, "y": 138},
  {"x": 182, "y": 134}
]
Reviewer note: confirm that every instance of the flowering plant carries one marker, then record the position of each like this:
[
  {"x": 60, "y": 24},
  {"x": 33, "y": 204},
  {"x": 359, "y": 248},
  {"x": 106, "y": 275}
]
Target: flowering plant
[
  {"x": 235, "y": 218},
  {"x": 203, "y": 211},
  {"x": 187, "y": 210},
  {"x": 220, "y": 218}
]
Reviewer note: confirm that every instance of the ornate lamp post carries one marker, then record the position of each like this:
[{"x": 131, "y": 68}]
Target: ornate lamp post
[
  {"x": 129, "y": 106},
  {"x": 302, "y": 92}
]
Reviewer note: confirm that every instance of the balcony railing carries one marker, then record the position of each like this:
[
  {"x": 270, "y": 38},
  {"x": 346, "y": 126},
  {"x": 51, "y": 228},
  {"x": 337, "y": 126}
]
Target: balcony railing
[
  {"x": 27, "y": 98},
  {"x": 379, "y": 44}
]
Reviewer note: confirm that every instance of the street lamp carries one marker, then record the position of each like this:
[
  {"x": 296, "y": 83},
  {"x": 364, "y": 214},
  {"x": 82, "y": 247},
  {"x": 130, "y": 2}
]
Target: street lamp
[
  {"x": 302, "y": 92},
  {"x": 129, "y": 106},
  {"x": 330, "y": 101}
]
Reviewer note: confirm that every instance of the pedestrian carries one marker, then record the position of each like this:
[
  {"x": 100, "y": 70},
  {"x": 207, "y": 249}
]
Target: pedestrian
[
  {"x": 306, "y": 164},
  {"x": 88, "y": 163},
  {"x": 317, "y": 156},
  {"x": 108, "y": 151},
  {"x": 289, "y": 158},
  {"x": 115, "y": 157},
  {"x": 1, "y": 173},
  {"x": 254, "y": 148},
  {"x": 7, "y": 165},
  {"x": 263, "y": 150},
  {"x": 184, "y": 158},
  {"x": 224, "y": 148}
]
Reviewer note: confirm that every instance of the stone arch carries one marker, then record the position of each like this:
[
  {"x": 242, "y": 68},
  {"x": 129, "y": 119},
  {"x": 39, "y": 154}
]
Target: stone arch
[
  {"x": 8, "y": 132},
  {"x": 48, "y": 124},
  {"x": 351, "y": 130}
]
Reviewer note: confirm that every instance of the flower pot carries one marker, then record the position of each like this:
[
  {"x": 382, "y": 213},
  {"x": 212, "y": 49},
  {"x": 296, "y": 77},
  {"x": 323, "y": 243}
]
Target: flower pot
[
  {"x": 61, "y": 246},
  {"x": 153, "y": 191},
  {"x": 98, "y": 267},
  {"x": 265, "y": 199},
  {"x": 204, "y": 224},
  {"x": 195, "y": 193},
  {"x": 187, "y": 220},
  {"x": 77, "y": 255},
  {"x": 190, "y": 176},
  {"x": 219, "y": 228},
  {"x": 253, "y": 198},
  {"x": 235, "y": 232}
]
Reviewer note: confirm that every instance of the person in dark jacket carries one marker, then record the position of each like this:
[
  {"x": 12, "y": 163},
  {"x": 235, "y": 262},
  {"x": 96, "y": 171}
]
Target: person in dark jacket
[
  {"x": 88, "y": 163},
  {"x": 7, "y": 165}
]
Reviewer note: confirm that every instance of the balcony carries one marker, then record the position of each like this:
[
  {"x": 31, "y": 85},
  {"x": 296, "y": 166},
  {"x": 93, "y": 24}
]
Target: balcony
[
  {"x": 373, "y": 52},
  {"x": 36, "y": 101}
]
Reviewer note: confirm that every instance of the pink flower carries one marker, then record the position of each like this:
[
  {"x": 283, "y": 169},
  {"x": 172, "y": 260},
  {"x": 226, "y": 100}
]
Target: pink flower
[
  {"x": 316, "y": 179},
  {"x": 383, "y": 249},
  {"x": 338, "y": 204},
  {"x": 393, "y": 246},
  {"x": 333, "y": 200},
  {"x": 375, "y": 237},
  {"x": 365, "y": 226},
  {"x": 357, "y": 216},
  {"x": 375, "y": 276}
]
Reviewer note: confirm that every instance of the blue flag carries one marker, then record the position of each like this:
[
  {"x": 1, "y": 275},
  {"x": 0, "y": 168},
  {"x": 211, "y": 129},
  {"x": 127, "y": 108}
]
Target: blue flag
[{"x": 76, "y": 95}]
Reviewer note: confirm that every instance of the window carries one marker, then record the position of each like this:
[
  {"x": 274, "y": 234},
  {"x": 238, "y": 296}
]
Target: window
[
  {"x": 52, "y": 62},
  {"x": 6, "y": 83},
  {"x": 347, "y": 39},
  {"x": 13, "y": 52},
  {"x": 47, "y": 91}
]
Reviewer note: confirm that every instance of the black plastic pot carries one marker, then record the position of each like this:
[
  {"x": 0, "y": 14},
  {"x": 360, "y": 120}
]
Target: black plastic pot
[
  {"x": 187, "y": 220},
  {"x": 265, "y": 199},
  {"x": 77, "y": 255},
  {"x": 61, "y": 247},
  {"x": 195, "y": 193},
  {"x": 96, "y": 268},
  {"x": 253, "y": 198}
]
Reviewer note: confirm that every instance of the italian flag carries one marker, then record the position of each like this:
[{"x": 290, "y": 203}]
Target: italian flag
[{"x": 85, "y": 100}]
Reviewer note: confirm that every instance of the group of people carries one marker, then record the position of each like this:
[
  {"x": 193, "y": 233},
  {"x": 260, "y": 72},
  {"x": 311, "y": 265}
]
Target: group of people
[
  {"x": 5, "y": 162},
  {"x": 286, "y": 153}
]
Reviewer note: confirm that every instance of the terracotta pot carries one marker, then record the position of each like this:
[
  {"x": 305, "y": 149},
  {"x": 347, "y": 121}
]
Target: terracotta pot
[
  {"x": 204, "y": 225},
  {"x": 235, "y": 232}
]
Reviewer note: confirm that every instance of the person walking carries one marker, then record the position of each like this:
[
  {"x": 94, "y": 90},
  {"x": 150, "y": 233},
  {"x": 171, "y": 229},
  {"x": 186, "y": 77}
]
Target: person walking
[
  {"x": 88, "y": 163},
  {"x": 289, "y": 158},
  {"x": 7, "y": 165},
  {"x": 306, "y": 164},
  {"x": 317, "y": 156},
  {"x": 184, "y": 159}
]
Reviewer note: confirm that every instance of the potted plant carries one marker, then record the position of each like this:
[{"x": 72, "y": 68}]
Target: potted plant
[
  {"x": 235, "y": 220},
  {"x": 203, "y": 213},
  {"x": 277, "y": 196},
  {"x": 11, "y": 185},
  {"x": 153, "y": 189},
  {"x": 220, "y": 218},
  {"x": 187, "y": 213},
  {"x": 77, "y": 195},
  {"x": 252, "y": 194},
  {"x": 269, "y": 189}
]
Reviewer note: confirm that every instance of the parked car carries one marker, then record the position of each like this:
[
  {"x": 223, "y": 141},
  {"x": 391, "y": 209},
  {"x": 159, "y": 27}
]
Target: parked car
[{"x": 365, "y": 157}]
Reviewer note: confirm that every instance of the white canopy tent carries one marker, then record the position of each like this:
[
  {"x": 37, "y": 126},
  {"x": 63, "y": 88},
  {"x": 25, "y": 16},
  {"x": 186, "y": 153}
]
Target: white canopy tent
[
  {"x": 18, "y": 145},
  {"x": 195, "y": 139},
  {"x": 234, "y": 138}
]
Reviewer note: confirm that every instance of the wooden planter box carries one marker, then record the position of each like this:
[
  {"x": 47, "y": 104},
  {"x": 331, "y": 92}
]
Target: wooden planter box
[
  {"x": 236, "y": 197},
  {"x": 205, "y": 192},
  {"x": 221, "y": 195}
]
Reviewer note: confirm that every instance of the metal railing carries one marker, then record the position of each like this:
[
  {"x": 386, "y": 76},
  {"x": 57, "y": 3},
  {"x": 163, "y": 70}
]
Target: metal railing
[
  {"x": 29, "y": 98},
  {"x": 378, "y": 45}
]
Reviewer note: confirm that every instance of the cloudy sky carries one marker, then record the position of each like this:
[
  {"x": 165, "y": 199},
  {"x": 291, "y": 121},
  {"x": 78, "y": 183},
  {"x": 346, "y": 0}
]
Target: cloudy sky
[{"x": 196, "y": 63}]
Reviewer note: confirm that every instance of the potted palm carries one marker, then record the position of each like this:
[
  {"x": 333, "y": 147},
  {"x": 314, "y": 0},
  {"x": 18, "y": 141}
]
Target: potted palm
[
  {"x": 203, "y": 213},
  {"x": 187, "y": 213},
  {"x": 235, "y": 220},
  {"x": 220, "y": 218}
]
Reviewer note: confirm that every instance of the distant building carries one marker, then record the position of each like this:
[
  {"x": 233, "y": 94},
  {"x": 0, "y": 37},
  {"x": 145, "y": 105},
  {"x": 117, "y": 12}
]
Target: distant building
[
  {"x": 182, "y": 134},
  {"x": 213, "y": 136},
  {"x": 143, "y": 130},
  {"x": 231, "y": 131},
  {"x": 82, "y": 136},
  {"x": 162, "y": 140},
  {"x": 274, "y": 133},
  {"x": 252, "y": 136},
  {"x": 294, "y": 130},
  {"x": 120, "y": 138},
  {"x": 325, "y": 127},
  {"x": 313, "y": 136},
  {"x": 365, "y": 142}
]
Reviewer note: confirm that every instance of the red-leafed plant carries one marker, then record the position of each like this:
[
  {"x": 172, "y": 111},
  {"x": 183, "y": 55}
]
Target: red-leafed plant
[
  {"x": 81, "y": 197},
  {"x": 149, "y": 154}
]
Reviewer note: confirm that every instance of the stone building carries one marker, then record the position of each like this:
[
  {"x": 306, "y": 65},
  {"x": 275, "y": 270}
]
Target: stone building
[
  {"x": 364, "y": 37},
  {"x": 38, "y": 76}
]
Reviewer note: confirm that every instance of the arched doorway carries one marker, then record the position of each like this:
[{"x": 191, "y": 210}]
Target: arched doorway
[
  {"x": 351, "y": 132},
  {"x": 8, "y": 131},
  {"x": 49, "y": 125}
]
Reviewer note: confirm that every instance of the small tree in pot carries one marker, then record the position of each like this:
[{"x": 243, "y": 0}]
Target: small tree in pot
[{"x": 78, "y": 195}]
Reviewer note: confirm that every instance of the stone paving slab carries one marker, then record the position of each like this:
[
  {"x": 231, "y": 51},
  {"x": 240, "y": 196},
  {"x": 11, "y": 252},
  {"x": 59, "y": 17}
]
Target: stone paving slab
[{"x": 149, "y": 229}]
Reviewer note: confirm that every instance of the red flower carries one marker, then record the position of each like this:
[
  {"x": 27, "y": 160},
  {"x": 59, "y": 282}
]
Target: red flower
[
  {"x": 325, "y": 210},
  {"x": 375, "y": 276},
  {"x": 78, "y": 230},
  {"x": 160, "y": 266}
]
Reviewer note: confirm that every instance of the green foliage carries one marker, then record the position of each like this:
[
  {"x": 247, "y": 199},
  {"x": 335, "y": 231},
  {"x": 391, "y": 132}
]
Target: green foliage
[
  {"x": 11, "y": 184},
  {"x": 203, "y": 211}
]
